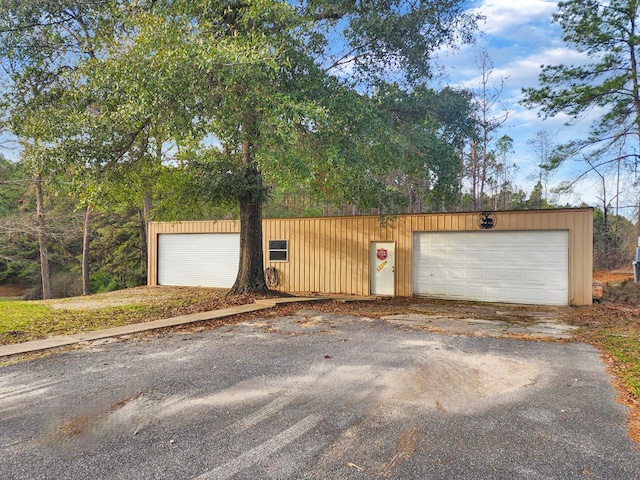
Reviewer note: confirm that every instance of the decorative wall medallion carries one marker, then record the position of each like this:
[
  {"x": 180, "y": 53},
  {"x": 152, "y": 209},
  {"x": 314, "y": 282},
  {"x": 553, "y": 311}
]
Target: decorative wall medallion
[{"x": 487, "y": 220}]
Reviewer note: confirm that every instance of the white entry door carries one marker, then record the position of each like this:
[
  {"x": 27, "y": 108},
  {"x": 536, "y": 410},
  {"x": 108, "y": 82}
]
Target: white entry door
[{"x": 383, "y": 268}]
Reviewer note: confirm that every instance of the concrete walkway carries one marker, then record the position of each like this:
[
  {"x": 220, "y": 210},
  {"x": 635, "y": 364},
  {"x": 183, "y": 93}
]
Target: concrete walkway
[{"x": 66, "y": 340}]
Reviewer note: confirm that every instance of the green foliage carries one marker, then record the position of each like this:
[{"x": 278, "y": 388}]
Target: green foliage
[
  {"x": 421, "y": 135},
  {"x": 118, "y": 251},
  {"x": 103, "y": 282},
  {"x": 12, "y": 186},
  {"x": 607, "y": 33},
  {"x": 625, "y": 348},
  {"x": 388, "y": 35},
  {"x": 200, "y": 107},
  {"x": 224, "y": 179},
  {"x": 536, "y": 199},
  {"x": 66, "y": 284},
  {"x": 18, "y": 236},
  {"x": 117, "y": 244}
]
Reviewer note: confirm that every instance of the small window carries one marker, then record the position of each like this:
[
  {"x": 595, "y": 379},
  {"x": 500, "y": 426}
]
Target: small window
[{"x": 278, "y": 250}]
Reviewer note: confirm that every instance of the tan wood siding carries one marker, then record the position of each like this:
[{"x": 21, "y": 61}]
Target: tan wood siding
[{"x": 331, "y": 254}]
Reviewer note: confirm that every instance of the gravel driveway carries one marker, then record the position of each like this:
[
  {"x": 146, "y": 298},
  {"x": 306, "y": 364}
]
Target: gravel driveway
[{"x": 313, "y": 396}]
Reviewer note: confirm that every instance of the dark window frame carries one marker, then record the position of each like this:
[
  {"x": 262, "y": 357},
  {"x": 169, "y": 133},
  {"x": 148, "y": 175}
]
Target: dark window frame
[{"x": 277, "y": 252}]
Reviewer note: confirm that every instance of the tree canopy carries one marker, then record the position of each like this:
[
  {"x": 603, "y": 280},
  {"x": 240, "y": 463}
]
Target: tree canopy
[
  {"x": 606, "y": 33},
  {"x": 240, "y": 96}
]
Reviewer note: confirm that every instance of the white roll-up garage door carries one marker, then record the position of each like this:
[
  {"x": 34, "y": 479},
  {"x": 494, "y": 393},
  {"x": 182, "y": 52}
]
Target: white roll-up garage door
[
  {"x": 529, "y": 267},
  {"x": 198, "y": 259}
]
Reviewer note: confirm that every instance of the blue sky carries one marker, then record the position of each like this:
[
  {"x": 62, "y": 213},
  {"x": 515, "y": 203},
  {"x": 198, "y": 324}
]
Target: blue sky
[{"x": 519, "y": 36}]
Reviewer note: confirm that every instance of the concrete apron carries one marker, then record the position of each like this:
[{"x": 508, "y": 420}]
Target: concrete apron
[{"x": 544, "y": 329}]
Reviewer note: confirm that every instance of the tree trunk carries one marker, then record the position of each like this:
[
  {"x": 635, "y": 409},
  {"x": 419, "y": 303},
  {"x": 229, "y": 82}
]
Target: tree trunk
[
  {"x": 250, "y": 277},
  {"x": 86, "y": 288},
  {"x": 145, "y": 215},
  {"x": 42, "y": 240},
  {"x": 633, "y": 61},
  {"x": 251, "y": 269},
  {"x": 474, "y": 174}
]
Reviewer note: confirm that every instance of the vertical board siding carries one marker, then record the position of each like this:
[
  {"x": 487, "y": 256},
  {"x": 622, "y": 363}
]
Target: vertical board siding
[{"x": 332, "y": 254}]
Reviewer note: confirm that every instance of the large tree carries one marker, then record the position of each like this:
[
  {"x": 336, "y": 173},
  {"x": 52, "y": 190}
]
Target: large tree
[
  {"x": 263, "y": 87},
  {"x": 417, "y": 143},
  {"x": 40, "y": 42},
  {"x": 251, "y": 94},
  {"x": 56, "y": 104},
  {"x": 607, "y": 34}
]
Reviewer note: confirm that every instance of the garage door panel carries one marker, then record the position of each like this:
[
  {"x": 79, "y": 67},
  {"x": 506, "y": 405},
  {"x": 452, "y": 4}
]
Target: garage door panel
[
  {"x": 517, "y": 267},
  {"x": 534, "y": 277},
  {"x": 202, "y": 259},
  {"x": 555, "y": 278},
  {"x": 458, "y": 290},
  {"x": 475, "y": 274},
  {"x": 493, "y": 275},
  {"x": 474, "y": 291},
  {"x": 440, "y": 289},
  {"x": 510, "y": 256},
  {"x": 554, "y": 258},
  {"x": 512, "y": 275},
  {"x": 555, "y": 297},
  {"x": 457, "y": 274}
]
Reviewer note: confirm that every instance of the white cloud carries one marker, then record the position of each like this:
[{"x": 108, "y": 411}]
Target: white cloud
[
  {"x": 504, "y": 15},
  {"x": 523, "y": 72},
  {"x": 519, "y": 36}
]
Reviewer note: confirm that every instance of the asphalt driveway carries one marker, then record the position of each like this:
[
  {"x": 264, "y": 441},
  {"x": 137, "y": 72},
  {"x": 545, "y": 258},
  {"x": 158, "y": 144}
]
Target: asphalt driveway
[{"x": 314, "y": 396}]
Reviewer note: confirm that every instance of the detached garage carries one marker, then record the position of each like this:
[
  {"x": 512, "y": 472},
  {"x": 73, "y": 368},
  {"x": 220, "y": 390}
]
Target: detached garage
[{"x": 533, "y": 257}]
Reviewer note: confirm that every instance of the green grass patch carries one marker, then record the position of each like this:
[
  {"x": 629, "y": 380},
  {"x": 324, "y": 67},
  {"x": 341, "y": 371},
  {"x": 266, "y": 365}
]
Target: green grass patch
[
  {"x": 21, "y": 321},
  {"x": 624, "y": 347}
]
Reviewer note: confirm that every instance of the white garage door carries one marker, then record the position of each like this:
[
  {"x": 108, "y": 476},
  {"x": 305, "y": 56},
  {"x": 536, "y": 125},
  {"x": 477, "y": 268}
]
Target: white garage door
[
  {"x": 529, "y": 267},
  {"x": 198, "y": 259}
]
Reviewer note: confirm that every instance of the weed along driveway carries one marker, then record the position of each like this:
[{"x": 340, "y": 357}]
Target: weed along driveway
[{"x": 314, "y": 395}]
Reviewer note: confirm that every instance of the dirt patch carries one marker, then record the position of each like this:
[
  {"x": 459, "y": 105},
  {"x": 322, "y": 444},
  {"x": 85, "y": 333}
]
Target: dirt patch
[
  {"x": 11, "y": 291},
  {"x": 134, "y": 296},
  {"x": 619, "y": 286},
  {"x": 174, "y": 301},
  {"x": 457, "y": 382},
  {"x": 612, "y": 276}
]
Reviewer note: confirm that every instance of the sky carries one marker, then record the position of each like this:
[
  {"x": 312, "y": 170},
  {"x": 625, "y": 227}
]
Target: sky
[{"x": 519, "y": 36}]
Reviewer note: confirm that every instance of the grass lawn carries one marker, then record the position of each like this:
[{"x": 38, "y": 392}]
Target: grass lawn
[
  {"x": 625, "y": 348},
  {"x": 21, "y": 321}
]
